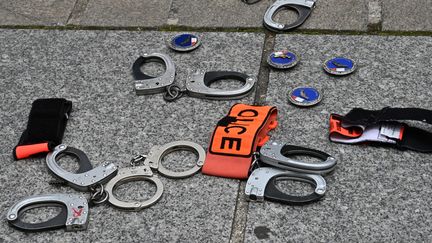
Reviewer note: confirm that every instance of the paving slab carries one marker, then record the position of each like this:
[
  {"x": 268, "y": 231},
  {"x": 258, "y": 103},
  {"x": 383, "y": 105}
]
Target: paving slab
[
  {"x": 110, "y": 123},
  {"x": 376, "y": 194},
  {"x": 351, "y": 15},
  {"x": 401, "y": 15},
  {"x": 35, "y": 12},
  {"x": 337, "y": 15},
  {"x": 129, "y": 13}
]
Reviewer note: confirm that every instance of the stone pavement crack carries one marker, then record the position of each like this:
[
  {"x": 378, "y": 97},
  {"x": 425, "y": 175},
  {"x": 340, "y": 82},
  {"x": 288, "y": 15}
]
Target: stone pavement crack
[
  {"x": 264, "y": 71},
  {"x": 240, "y": 216},
  {"x": 78, "y": 9}
]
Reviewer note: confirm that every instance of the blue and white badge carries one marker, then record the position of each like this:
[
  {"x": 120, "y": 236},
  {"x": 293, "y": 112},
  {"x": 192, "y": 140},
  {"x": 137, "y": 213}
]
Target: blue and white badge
[
  {"x": 282, "y": 59},
  {"x": 184, "y": 42},
  {"x": 304, "y": 96},
  {"x": 339, "y": 66}
]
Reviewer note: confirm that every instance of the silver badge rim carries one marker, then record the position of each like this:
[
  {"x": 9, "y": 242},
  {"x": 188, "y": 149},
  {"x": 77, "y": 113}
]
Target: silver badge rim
[
  {"x": 339, "y": 73},
  {"x": 183, "y": 49},
  {"x": 283, "y": 66},
  {"x": 297, "y": 103}
]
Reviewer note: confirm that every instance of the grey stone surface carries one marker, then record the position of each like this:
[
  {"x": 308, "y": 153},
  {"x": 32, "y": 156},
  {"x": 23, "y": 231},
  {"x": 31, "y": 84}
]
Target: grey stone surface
[
  {"x": 376, "y": 194},
  {"x": 34, "y": 12},
  {"x": 110, "y": 123},
  {"x": 127, "y": 13},
  {"x": 329, "y": 15},
  {"x": 401, "y": 15},
  {"x": 337, "y": 15},
  {"x": 208, "y": 13}
]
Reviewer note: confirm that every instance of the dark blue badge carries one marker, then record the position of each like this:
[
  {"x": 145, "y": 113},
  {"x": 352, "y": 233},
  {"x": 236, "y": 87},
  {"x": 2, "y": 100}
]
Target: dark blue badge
[
  {"x": 282, "y": 59},
  {"x": 184, "y": 42},
  {"x": 339, "y": 66},
  {"x": 304, "y": 96}
]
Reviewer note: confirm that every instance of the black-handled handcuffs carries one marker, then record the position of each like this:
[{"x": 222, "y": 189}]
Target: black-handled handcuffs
[
  {"x": 302, "y": 7},
  {"x": 197, "y": 83},
  {"x": 275, "y": 163},
  {"x": 75, "y": 208}
]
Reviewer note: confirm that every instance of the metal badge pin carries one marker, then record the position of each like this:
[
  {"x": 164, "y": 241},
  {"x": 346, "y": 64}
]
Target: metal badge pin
[
  {"x": 339, "y": 66},
  {"x": 304, "y": 96},
  {"x": 283, "y": 59},
  {"x": 184, "y": 42}
]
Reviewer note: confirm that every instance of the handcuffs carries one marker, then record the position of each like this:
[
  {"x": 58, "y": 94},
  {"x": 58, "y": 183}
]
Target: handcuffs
[
  {"x": 75, "y": 208},
  {"x": 261, "y": 184},
  {"x": 302, "y": 7},
  {"x": 197, "y": 84}
]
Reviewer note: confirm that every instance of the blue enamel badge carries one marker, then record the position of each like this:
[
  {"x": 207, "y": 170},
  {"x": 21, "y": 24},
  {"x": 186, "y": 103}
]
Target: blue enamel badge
[
  {"x": 184, "y": 42},
  {"x": 282, "y": 59},
  {"x": 339, "y": 66},
  {"x": 304, "y": 96}
]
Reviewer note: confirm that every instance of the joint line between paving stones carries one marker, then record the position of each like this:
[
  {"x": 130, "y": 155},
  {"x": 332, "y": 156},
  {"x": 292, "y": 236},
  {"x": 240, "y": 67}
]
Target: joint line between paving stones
[
  {"x": 240, "y": 216},
  {"x": 241, "y": 208},
  {"x": 178, "y": 28},
  {"x": 264, "y": 70}
]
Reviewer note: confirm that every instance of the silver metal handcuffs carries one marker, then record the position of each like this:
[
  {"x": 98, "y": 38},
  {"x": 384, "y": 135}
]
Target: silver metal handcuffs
[
  {"x": 197, "y": 83},
  {"x": 73, "y": 215},
  {"x": 280, "y": 166},
  {"x": 144, "y": 172},
  {"x": 86, "y": 176},
  {"x": 302, "y": 7},
  {"x": 277, "y": 155},
  {"x": 75, "y": 209}
]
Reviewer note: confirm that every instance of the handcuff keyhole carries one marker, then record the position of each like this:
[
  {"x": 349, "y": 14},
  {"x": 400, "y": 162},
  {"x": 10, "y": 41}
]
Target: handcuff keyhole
[{"x": 40, "y": 214}]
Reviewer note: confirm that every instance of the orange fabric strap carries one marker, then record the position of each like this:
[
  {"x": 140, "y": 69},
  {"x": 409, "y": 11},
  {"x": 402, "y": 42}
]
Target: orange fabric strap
[{"x": 235, "y": 139}]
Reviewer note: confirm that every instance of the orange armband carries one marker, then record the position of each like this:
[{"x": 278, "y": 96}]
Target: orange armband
[{"x": 236, "y": 138}]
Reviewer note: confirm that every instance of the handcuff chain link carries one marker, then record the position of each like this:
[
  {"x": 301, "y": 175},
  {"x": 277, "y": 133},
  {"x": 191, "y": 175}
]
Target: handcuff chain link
[
  {"x": 99, "y": 195},
  {"x": 255, "y": 163},
  {"x": 173, "y": 93},
  {"x": 138, "y": 159}
]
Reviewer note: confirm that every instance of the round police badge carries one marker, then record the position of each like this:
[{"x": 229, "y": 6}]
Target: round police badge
[
  {"x": 184, "y": 42},
  {"x": 304, "y": 96},
  {"x": 282, "y": 59},
  {"x": 339, "y": 66}
]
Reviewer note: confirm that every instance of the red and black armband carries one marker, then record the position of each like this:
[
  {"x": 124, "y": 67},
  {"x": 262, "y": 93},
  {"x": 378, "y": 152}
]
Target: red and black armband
[
  {"x": 45, "y": 127},
  {"x": 383, "y": 126},
  {"x": 236, "y": 138}
]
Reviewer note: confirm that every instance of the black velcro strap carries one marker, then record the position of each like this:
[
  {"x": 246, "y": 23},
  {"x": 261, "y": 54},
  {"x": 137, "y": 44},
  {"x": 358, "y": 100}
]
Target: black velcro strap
[
  {"x": 361, "y": 116},
  {"x": 47, "y": 122},
  {"x": 413, "y": 138},
  {"x": 416, "y": 139}
]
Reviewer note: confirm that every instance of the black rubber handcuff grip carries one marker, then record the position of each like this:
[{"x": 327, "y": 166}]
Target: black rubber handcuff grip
[
  {"x": 272, "y": 193},
  {"x": 55, "y": 223}
]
